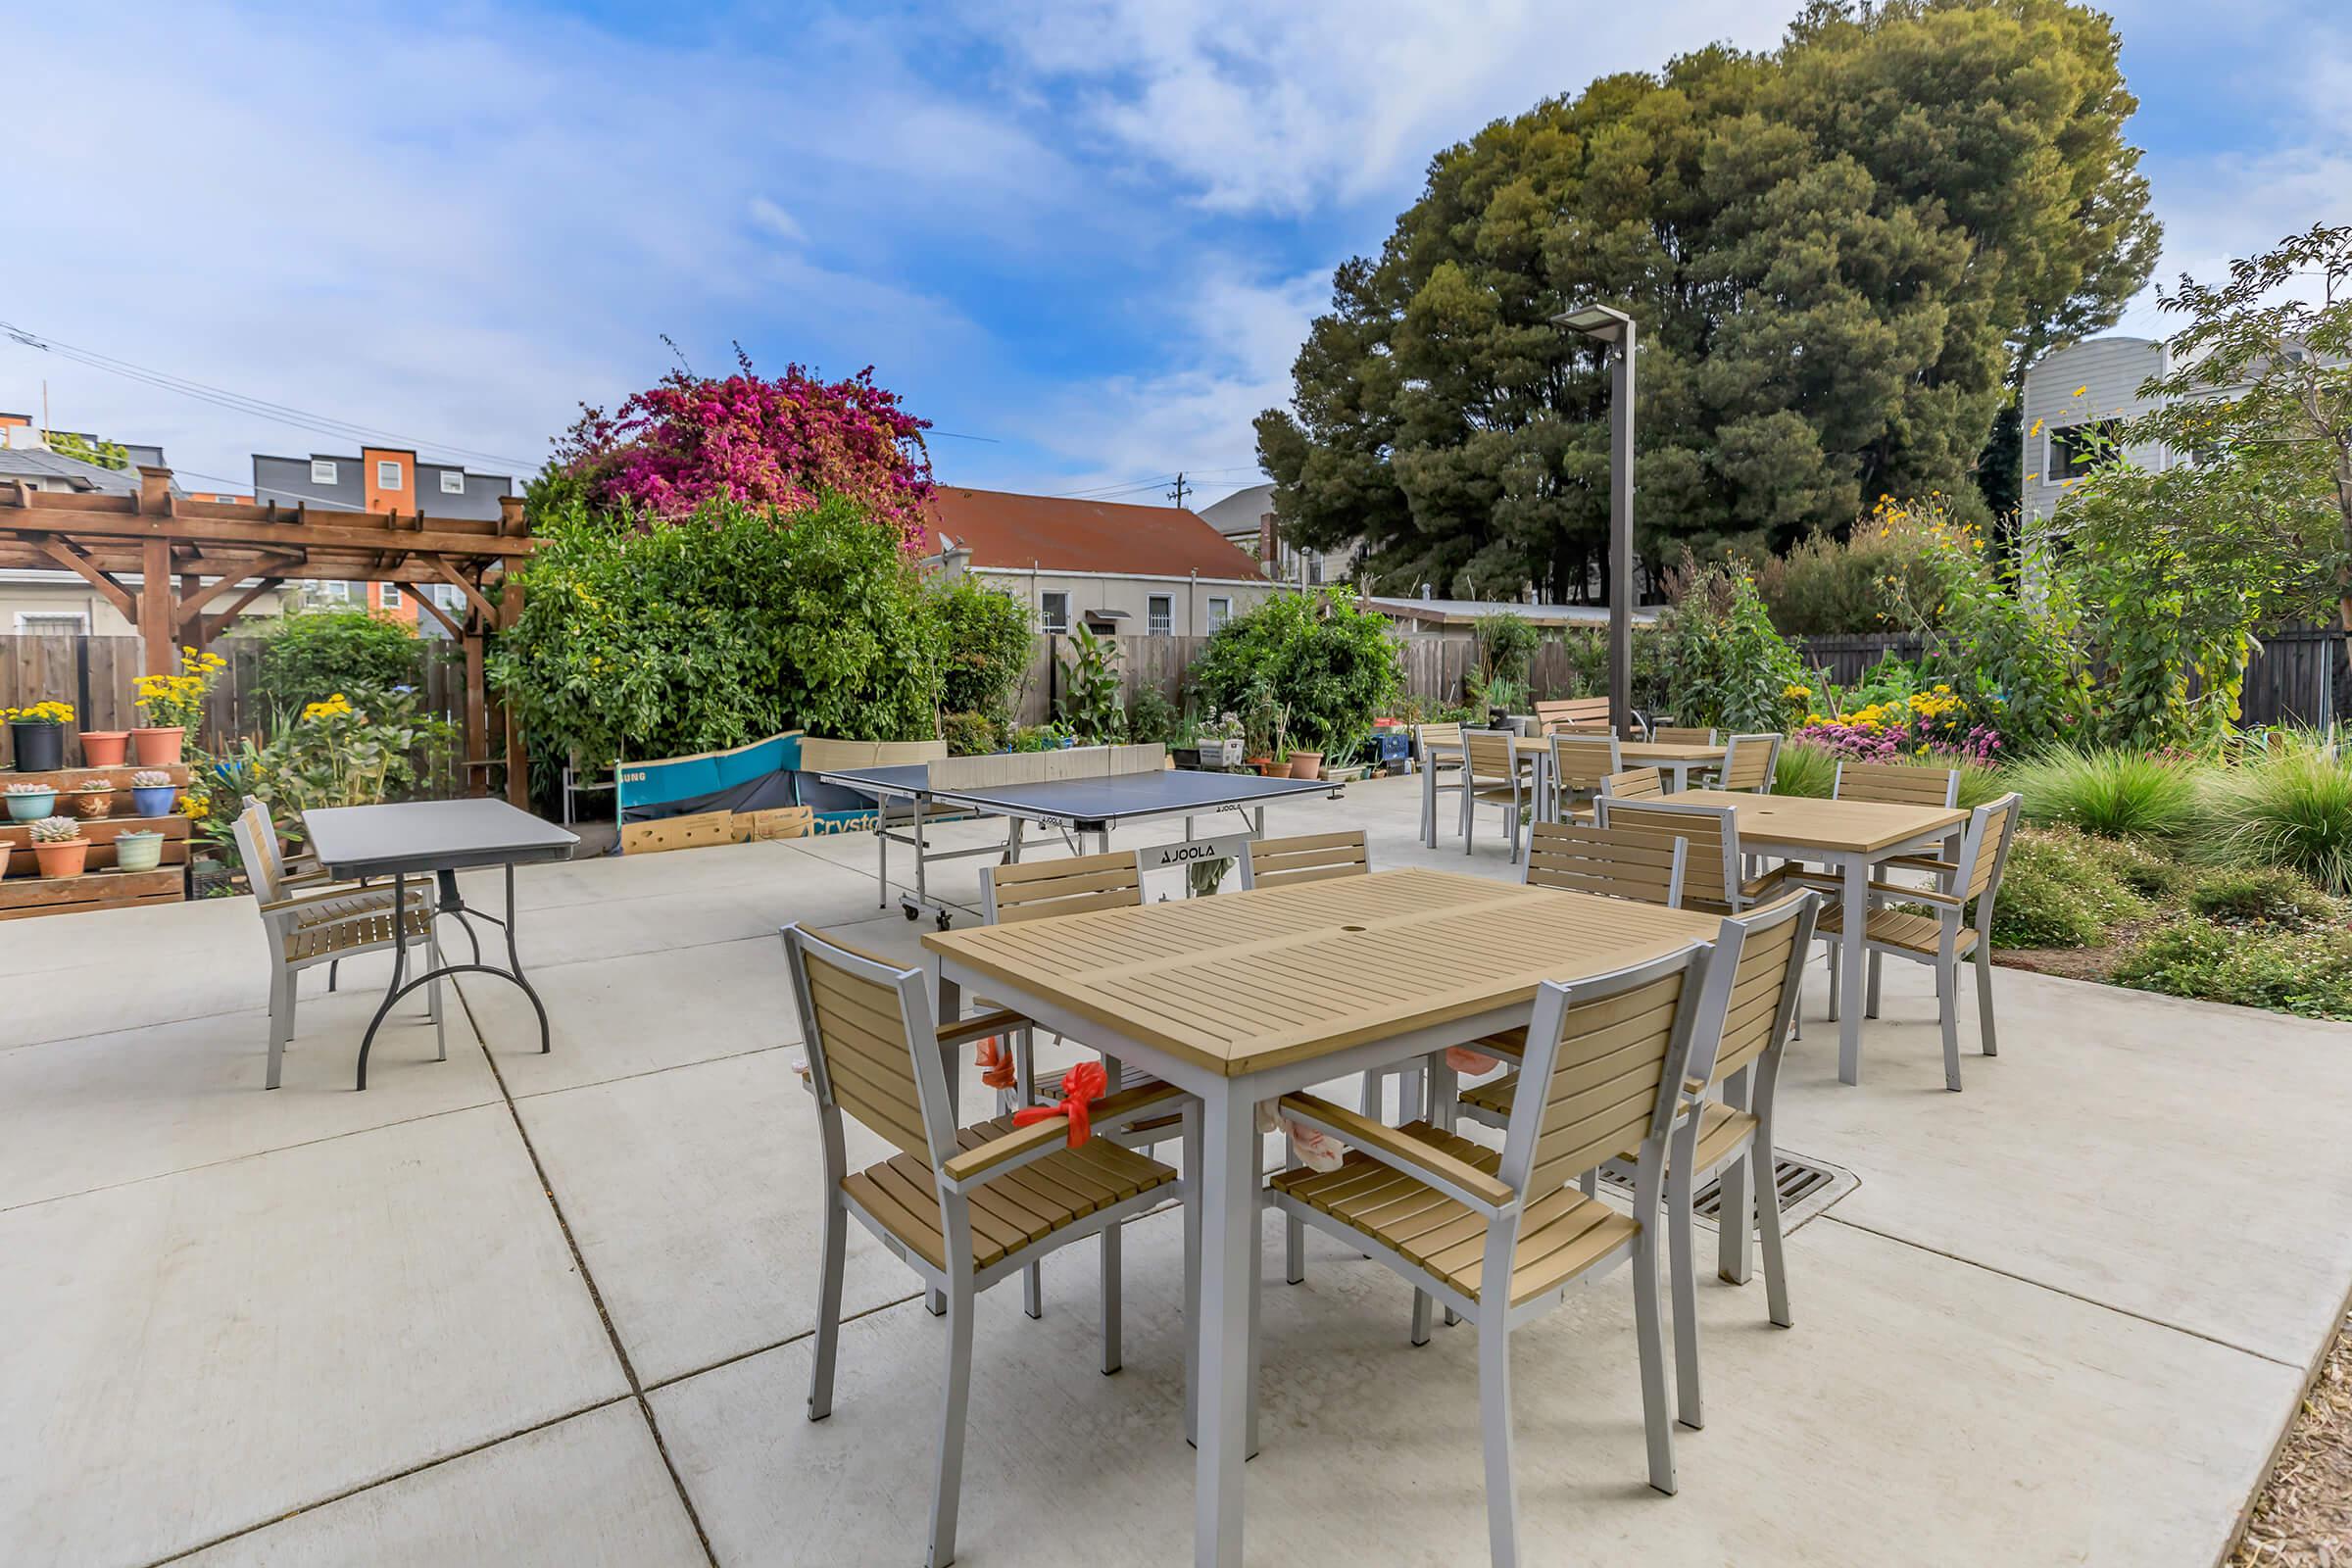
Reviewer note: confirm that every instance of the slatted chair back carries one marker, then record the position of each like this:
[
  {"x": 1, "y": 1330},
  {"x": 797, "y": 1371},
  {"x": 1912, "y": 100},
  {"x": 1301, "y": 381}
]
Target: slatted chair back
[
  {"x": 1610, "y": 861},
  {"x": 1748, "y": 761},
  {"x": 1562, "y": 716},
  {"x": 1306, "y": 858},
  {"x": 1712, "y": 868},
  {"x": 1581, "y": 729},
  {"x": 1426, "y": 736},
  {"x": 871, "y": 1049},
  {"x": 1984, "y": 850},
  {"x": 1604, "y": 1063},
  {"x": 1682, "y": 735},
  {"x": 1493, "y": 757},
  {"x": 257, "y": 844},
  {"x": 1038, "y": 889},
  {"x": 1759, "y": 973},
  {"x": 1897, "y": 783},
  {"x": 1635, "y": 784},
  {"x": 1579, "y": 763}
]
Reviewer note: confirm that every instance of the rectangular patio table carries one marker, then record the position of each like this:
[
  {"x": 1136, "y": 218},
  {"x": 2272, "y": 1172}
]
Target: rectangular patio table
[
  {"x": 410, "y": 838},
  {"x": 1848, "y": 837},
  {"x": 1245, "y": 997},
  {"x": 1676, "y": 759}
]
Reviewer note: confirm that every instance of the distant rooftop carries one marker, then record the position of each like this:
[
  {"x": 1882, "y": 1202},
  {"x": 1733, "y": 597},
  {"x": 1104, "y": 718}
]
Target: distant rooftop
[{"x": 1467, "y": 612}]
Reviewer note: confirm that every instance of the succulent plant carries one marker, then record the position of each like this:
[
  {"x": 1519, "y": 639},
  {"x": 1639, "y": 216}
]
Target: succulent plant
[
  {"x": 28, "y": 787},
  {"x": 94, "y": 786},
  {"x": 56, "y": 830},
  {"x": 150, "y": 778}
]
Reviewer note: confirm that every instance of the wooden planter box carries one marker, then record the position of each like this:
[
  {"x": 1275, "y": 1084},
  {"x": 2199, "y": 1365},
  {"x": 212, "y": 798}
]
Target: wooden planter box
[
  {"x": 23, "y": 867},
  {"x": 21, "y": 897}
]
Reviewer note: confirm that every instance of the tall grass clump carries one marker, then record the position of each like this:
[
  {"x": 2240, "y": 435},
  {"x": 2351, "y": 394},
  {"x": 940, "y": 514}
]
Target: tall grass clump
[
  {"x": 2290, "y": 808},
  {"x": 2115, "y": 794},
  {"x": 1804, "y": 769}
]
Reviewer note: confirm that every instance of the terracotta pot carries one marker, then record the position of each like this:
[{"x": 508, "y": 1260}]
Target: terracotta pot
[
  {"x": 138, "y": 852},
  {"x": 62, "y": 860},
  {"x": 156, "y": 747},
  {"x": 40, "y": 748},
  {"x": 92, "y": 805},
  {"x": 1307, "y": 764},
  {"x": 103, "y": 748},
  {"x": 1263, "y": 765},
  {"x": 1270, "y": 768}
]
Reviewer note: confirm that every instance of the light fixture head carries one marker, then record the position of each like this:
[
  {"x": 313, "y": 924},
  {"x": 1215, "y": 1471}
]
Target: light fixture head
[{"x": 1600, "y": 322}]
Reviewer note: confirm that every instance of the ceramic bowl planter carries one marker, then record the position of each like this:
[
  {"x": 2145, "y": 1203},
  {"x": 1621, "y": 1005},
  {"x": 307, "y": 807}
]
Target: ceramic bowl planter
[
  {"x": 29, "y": 803},
  {"x": 151, "y": 794},
  {"x": 103, "y": 748},
  {"x": 6, "y": 849},
  {"x": 157, "y": 746},
  {"x": 57, "y": 843},
  {"x": 93, "y": 801},
  {"x": 1307, "y": 764},
  {"x": 138, "y": 852},
  {"x": 40, "y": 748}
]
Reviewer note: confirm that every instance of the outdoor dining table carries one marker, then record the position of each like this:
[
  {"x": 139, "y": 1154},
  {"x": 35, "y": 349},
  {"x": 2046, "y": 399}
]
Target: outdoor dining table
[
  {"x": 1245, "y": 997},
  {"x": 413, "y": 838},
  {"x": 1847, "y": 838}
]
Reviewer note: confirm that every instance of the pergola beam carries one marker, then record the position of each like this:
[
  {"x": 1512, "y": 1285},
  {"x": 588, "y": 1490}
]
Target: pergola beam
[
  {"x": 72, "y": 560},
  {"x": 193, "y": 600},
  {"x": 214, "y": 625},
  {"x": 448, "y": 573}
]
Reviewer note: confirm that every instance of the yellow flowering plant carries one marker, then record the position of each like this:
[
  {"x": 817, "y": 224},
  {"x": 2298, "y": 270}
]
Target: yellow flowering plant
[
  {"x": 50, "y": 712},
  {"x": 178, "y": 699}
]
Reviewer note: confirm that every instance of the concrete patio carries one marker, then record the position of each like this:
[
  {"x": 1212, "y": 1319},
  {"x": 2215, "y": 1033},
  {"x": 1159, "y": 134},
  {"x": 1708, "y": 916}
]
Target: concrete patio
[{"x": 524, "y": 1310}]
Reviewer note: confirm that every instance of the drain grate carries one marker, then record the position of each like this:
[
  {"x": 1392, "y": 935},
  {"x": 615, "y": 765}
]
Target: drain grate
[{"x": 1805, "y": 1187}]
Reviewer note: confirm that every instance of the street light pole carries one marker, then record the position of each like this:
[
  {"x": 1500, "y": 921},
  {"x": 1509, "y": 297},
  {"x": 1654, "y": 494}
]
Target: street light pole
[{"x": 1614, "y": 329}]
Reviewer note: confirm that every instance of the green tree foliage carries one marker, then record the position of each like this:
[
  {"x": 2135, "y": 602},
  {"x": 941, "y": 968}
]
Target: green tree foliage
[
  {"x": 1322, "y": 656},
  {"x": 309, "y": 655},
  {"x": 989, "y": 634},
  {"x": 666, "y": 641},
  {"x": 1726, "y": 666},
  {"x": 97, "y": 453},
  {"x": 1835, "y": 251}
]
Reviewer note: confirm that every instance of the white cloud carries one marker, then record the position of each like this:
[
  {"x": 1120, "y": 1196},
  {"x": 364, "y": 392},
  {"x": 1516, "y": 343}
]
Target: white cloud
[{"x": 766, "y": 215}]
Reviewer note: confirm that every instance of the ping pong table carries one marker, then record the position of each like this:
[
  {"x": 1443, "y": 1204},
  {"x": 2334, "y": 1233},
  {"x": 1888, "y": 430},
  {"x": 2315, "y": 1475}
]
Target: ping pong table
[{"x": 1075, "y": 792}]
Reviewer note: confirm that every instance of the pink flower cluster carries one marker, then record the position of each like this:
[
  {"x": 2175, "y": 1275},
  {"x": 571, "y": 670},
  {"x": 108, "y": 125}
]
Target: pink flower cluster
[
  {"x": 777, "y": 443},
  {"x": 1895, "y": 742}
]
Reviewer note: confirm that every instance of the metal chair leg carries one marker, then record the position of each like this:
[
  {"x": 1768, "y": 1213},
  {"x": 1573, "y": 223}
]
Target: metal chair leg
[
  {"x": 947, "y": 1485},
  {"x": 282, "y": 1020},
  {"x": 1494, "y": 1417},
  {"x": 1985, "y": 1029},
  {"x": 1680, "y": 1249},
  {"x": 1113, "y": 1350},
  {"x": 1768, "y": 1222},
  {"x": 828, "y": 1310},
  {"x": 1649, "y": 1333},
  {"x": 1948, "y": 1012}
]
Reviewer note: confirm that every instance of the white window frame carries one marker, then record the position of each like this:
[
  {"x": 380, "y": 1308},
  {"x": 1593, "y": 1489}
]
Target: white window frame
[
  {"x": 453, "y": 481},
  {"x": 322, "y": 471},
  {"x": 1220, "y": 610},
  {"x": 1159, "y": 614},
  {"x": 1045, "y": 617},
  {"x": 388, "y": 466},
  {"x": 390, "y": 598},
  {"x": 28, "y": 622}
]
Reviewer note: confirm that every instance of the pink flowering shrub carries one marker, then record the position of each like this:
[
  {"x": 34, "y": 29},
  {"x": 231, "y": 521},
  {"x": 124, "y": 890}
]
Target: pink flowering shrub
[{"x": 780, "y": 443}]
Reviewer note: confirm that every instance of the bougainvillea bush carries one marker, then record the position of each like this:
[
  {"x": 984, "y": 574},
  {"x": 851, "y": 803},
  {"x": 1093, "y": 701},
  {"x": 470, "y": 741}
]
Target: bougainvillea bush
[{"x": 782, "y": 442}]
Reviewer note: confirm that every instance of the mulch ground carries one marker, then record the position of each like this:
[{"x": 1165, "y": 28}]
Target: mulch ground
[{"x": 2303, "y": 1515}]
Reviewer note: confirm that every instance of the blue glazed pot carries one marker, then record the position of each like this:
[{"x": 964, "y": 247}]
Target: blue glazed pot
[
  {"x": 30, "y": 805},
  {"x": 154, "y": 800}
]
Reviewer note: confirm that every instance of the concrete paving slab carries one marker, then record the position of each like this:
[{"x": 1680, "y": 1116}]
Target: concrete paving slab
[
  {"x": 2154, "y": 1155},
  {"x": 617, "y": 1017},
  {"x": 587, "y": 1493},
  {"x": 201, "y": 1353},
  {"x": 66, "y": 977},
  {"x": 101, "y": 1110},
  {"x": 1923, "y": 1410}
]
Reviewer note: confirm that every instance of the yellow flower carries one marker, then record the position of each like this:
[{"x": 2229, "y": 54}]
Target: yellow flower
[{"x": 2085, "y": 387}]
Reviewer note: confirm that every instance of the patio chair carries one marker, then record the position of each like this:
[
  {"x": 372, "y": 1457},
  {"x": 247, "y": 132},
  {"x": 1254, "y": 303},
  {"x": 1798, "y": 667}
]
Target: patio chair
[
  {"x": 1682, "y": 735},
  {"x": 1426, "y": 736},
  {"x": 963, "y": 1207},
  {"x": 1493, "y": 777},
  {"x": 1942, "y": 936},
  {"x": 1900, "y": 784},
  {"x": 1580, "y": 765},
  {"x": 1635, "y": 784},
  {"x": 1573, "y": 715},
  {"x": 319, "y": 922},
  {"x": 1306, "y": 858},
  {"x": 1614, "y": 863},
  {"x": 1500, "y": 1237},
  {"x": 1712, "y": 880},
  {"x": 1749, "y": 764}
]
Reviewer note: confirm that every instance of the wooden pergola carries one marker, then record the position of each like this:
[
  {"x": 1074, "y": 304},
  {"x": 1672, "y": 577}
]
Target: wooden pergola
[{"x": 200, "y": 564}]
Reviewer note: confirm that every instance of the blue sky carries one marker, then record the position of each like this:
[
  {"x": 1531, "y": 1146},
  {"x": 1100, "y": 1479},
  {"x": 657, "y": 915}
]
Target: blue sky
[{"x": 1082, "y": 236}]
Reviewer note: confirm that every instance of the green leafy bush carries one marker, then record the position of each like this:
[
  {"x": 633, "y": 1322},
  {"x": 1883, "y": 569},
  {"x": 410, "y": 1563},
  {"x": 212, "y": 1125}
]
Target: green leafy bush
[
  {"x": 2265, "y": 894},
  {"x": 2118, "y": 794},
  {"x": 1090, "y": 695},
  {"x": 2290, "y": 808},
  {"x": 2061, "y": 890},
  {"x": 1332, "y": 662},
  {"x": 1150, "y": 718},
  {"x": 970, "y": 734},
  {"x": 1506, "y": 641},
  {"x": 1724, "y": 664},
  {"x": 337, "y": 752},
  {"x": 988, "y": 638},
  {"x": 2304, "y": 972},
  {"x": 732, "y": 625},
  {"x": 307, "y": 655},
  {"x": 1826, "y": 586},
  {"x": 1803, "y": 770}
]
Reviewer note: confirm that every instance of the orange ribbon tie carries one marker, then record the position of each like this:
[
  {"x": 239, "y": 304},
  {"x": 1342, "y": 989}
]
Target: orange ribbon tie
[{"x": 1081, "y": 1087}]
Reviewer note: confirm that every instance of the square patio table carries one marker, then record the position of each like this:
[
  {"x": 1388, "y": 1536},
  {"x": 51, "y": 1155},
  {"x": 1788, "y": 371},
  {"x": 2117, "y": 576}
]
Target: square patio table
[
  {"x": 1848, "y": 837},
  {"x": 413, "y": 838},
  {"x": 1245, "y": 997}
]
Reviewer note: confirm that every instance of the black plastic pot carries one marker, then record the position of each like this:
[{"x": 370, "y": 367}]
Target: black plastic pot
[{"x": 40, "y": 748}]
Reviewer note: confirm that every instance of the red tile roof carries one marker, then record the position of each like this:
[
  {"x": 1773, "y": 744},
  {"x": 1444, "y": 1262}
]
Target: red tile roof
[{"x": 1056, "y": 534}]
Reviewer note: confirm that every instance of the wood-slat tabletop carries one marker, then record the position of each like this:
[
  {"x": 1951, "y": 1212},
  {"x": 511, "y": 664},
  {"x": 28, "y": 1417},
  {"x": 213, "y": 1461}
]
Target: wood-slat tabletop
[
  {"x": 1809, "y": 822},
  {"x": 1242, "y": 982},
  {"x": 1640, "y": 752}
]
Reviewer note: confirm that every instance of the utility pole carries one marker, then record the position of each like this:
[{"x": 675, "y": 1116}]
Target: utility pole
[{"x": 1177, "y": 495}]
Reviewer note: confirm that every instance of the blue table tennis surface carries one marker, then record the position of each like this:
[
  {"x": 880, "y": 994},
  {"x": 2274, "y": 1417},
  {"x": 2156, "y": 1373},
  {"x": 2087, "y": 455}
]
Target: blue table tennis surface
[{"x": 1104, "y": 798}]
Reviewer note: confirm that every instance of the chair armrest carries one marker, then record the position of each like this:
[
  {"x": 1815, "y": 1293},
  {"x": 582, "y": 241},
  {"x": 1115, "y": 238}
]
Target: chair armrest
[
  {"x": 1949, "y": 901},
  {"x": 1001, "y": 1021},
  {"x": 1113, "y": 1111},
  {"x": 975, "y": 1166},
  {"x": 1457, "y": 1179},
  {"x": 332, "y": 894},
  {"x": 1920, "y": 863}
]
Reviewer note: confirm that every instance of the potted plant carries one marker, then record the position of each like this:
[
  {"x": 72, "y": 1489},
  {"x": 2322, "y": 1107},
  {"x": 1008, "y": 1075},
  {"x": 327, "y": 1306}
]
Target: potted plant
[
  {"x": 57, "y": 843},
  {"x": 172, "y": 705},
  {"x": 92, "y": 800},
  {"x": 6, "y": 849},
  {"x": 1257, "y": 736},
  {"x": 1218, "y": 744},
  {"x": 103, "y": 748},
  {"x": 29, "y": 801},
  {"x": 39, "y": 735},
  {"x": 1307, "y": 764},
  {"x": 1278, "y": 764},
  {"x": 142, "y": 850},
  {"x": 151, "y": 792}
]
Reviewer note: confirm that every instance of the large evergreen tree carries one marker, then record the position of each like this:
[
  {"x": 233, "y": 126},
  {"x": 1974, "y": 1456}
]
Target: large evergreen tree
[{"x": 1836, "y": 252}]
